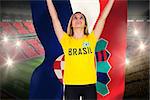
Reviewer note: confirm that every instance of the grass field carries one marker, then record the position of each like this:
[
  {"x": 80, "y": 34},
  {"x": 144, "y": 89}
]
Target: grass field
[{"x": 16, "y": 80}]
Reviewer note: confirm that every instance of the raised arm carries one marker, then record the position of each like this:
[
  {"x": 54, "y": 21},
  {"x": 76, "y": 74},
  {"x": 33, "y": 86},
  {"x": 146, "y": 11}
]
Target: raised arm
[
  {"x": 56, "y": 23},
  {"x": 100, "y": 24}
]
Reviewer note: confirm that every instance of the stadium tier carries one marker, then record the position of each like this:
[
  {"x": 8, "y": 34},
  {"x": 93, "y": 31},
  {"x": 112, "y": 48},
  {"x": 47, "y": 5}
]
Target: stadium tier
[
  {"x": 20, "y": 28},
  {"x": 19, "y": 41},
  {"x": 29, "y": 26},
  {"x": 1, "y": 56},
  {"x": 34, "y": 43},
  {"x": 10, "y": 49},
  {"x": 12, "y": 28},
  {"x": 29, "y": 51},
  {"x": 137, "y": 78},
  {"x": 7, "y": 28}
]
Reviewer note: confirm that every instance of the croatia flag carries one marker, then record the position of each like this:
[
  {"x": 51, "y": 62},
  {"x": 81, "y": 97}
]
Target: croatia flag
[{"x": 110, "y": 52}]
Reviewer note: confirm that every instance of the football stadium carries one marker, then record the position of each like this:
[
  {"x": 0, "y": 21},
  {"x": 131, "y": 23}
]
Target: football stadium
[{"x": 21, "y": 52}]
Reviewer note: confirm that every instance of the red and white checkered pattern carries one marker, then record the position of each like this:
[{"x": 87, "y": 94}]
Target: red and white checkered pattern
[{"x": 59, "y": 67}]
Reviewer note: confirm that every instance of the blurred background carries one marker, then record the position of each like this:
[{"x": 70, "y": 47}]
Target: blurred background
[{"x": 21, "y": 51}]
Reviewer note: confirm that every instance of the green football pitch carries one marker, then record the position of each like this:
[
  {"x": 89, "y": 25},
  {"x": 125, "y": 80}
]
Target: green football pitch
[{"x": 16, "y": 79}]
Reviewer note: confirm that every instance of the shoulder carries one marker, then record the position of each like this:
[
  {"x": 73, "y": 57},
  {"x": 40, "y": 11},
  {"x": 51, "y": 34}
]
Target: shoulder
[
  {"x": 92, "y": 36},
  {"x": 65, "y": 37}
]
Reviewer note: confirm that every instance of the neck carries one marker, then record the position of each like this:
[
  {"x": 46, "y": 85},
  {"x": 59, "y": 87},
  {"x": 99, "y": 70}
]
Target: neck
[{"x": 78, "y": 33}]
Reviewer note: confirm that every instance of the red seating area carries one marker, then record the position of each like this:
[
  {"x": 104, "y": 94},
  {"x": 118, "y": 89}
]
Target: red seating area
[
  {"x": 12, "y": 28},
  {"x": 35, "y": 44},
  {"x": 28, "y": 50},
  {"x": 20, "y": 28},
  {"x": 13, "y": 51},
  {"x": 7, "y": 28},
  {"x": 29, "y": 26},
  {"x": 29, "y": 47}
]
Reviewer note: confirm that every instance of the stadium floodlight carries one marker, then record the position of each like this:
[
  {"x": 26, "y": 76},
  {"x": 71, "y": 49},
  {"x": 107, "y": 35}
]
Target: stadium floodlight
[
  {"x": 127, "y": 61},
  {"x": 142, "y": 46},
  {"x": 5, "y": 39},
  {"x": 18, "y": 43},
  {"x": 136, "y": 32},
  {"x": 9, "y": 62}
]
